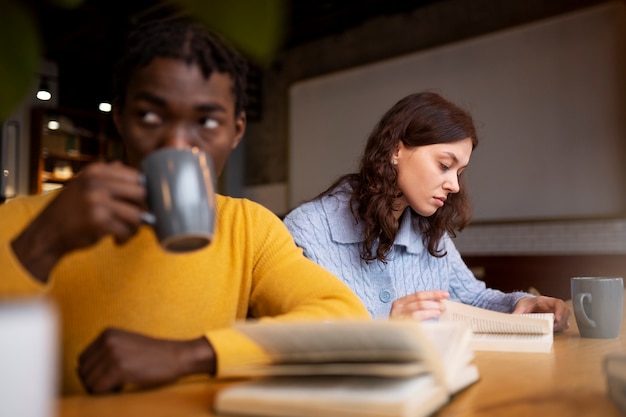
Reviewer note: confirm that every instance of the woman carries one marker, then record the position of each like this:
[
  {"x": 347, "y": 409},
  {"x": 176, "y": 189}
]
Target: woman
[{"x": 386, "y": 230}]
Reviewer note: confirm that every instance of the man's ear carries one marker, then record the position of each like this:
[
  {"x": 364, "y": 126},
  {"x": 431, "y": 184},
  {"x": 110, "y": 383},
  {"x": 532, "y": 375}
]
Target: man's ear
[
  {"x": 116, "y": 118},
  {"x": 240, "y": 129}
]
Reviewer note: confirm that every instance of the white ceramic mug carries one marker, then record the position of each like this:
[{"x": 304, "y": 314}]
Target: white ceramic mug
[
  {"x": 598, "y": 306},
  {"x": 29, "y": 358},
  {"x": 181, "y": 197}
]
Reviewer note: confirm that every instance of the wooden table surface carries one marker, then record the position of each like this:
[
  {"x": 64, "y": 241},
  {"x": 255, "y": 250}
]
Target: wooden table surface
[{"x": 568, "y": 382}]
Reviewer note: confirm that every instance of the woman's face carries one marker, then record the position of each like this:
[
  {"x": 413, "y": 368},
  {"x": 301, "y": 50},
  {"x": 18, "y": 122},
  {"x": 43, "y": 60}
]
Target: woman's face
[
  {"x": 169, "y": 103},
  {"x": 428, "y": 174}
]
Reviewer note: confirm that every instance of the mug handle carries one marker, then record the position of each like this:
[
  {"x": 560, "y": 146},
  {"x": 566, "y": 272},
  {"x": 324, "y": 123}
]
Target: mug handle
[
  {"x": 579, "y": 310},
  {"x": 146, "y": 217}
]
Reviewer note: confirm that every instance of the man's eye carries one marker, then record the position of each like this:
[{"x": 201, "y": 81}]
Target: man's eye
[
  {"x": 444, "y": 167},
  {"x": 210, "y": 123},
  {"x": 151, "y": 117}
]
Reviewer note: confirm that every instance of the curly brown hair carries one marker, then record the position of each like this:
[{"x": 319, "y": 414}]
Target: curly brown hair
[{"x": 419, "y": 119}]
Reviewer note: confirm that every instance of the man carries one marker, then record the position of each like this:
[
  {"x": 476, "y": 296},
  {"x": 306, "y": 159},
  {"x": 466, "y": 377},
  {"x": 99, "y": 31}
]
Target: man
[{"x": 131, "y": 314}]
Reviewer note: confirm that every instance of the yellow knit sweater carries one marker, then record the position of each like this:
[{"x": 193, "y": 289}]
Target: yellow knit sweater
[{"x": 251, "y": 269}]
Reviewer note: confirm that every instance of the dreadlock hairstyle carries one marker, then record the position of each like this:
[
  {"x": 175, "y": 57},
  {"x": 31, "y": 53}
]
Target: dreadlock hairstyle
[
  {"x": 419, "y": 119},
  {"x": 185, "y": 40}
]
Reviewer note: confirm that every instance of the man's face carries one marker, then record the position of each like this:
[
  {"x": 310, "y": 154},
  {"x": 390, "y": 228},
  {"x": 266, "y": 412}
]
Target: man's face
[{"x": 169, "y": 103}]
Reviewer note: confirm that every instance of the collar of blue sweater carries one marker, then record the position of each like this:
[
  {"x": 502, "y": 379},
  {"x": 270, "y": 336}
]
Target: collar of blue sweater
[{"x": 343, "y": 227}]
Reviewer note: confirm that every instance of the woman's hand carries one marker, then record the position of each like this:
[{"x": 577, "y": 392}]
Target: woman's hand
[
  {"x": 421, "y": 305},
  {"x": 543, "y": 304}
]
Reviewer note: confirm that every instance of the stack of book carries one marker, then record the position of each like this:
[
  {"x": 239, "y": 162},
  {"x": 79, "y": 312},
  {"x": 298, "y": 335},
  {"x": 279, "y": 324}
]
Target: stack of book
[
  {"x": 352, "y": 368},
  {"x": 374, "y": 368}
]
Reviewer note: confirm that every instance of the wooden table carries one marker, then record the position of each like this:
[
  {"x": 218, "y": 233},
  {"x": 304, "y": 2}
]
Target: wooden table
[{"x": 568, "y": 382}]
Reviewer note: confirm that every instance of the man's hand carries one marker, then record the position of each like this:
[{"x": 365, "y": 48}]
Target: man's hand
[
  {"x": 421, "y": 305},
  {"x": 104, "y": 199},
  {"x": 118, "y": 358},
  {"x": 544, "y": 304}
]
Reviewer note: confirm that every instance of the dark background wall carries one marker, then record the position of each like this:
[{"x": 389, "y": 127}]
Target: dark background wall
[
  {"x": 322, "y": 36},
  {"x": 378, "y": 38}
]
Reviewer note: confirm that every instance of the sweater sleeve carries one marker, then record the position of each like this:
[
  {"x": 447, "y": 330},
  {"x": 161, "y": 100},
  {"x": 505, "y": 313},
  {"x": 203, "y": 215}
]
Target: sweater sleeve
[
  {"x": 15, "y": 280},
  {"x": 466, "y": 288},
  {"x": 286, "y": 286}
]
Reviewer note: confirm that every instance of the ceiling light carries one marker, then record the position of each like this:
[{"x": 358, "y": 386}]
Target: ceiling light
[
  {"x": 43, "y": 93},
  {"x": 105, "y": 107}
]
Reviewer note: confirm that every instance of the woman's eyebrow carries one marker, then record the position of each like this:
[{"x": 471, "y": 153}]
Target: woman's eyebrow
[
  {"x": 452, "y": 155},
  {"x": 455, "y": 159}
]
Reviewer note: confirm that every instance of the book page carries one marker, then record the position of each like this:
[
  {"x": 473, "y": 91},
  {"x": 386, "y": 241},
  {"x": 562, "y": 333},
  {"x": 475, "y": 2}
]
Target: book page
[
  {"x": 453, "y": 342},
  {"x": 390, "y": 348},
  {"x": 451, "y": 339},
  {"x": 504, "y": 342},
  {"x": 380, "y": 369},
  {"x": 333, "y": 396},
  {"x": 487, "y": 321},
  {"x": 340, "y": 341}
]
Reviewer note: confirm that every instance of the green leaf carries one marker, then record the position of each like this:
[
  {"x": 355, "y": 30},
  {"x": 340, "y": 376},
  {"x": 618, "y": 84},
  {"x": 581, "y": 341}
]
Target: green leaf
[
  {"x": 255, "y": 27},
  {"x": 20, "y": 51}
]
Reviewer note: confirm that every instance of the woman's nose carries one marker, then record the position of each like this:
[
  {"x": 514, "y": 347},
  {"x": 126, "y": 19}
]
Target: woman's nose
[{"x": 452, "y": 184}]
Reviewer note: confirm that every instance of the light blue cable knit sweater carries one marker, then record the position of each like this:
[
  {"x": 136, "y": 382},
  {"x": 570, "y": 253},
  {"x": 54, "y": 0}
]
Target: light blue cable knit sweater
[{"x": 329, "y": 235}]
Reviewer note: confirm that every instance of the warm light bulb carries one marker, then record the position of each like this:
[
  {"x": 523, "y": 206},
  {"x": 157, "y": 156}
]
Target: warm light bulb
[
  {"x": 44, "y": 95},
  {"x": 105, "y": 107},
  {"x": 53, "y": 125}
]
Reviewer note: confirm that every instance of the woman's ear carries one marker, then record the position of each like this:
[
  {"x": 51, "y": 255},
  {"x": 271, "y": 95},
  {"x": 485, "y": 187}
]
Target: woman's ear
[{"x": 394, "y": 155}]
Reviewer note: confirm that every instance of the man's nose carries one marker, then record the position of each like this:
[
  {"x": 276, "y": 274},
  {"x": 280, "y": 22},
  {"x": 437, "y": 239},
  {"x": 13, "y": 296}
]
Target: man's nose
[{"x": 177, "y": 136}]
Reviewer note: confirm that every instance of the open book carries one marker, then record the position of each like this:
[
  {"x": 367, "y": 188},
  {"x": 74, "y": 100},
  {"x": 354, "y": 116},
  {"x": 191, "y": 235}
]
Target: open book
[
  {"x": 351, "y": 369},
  {"x": 495, "y": 331}
]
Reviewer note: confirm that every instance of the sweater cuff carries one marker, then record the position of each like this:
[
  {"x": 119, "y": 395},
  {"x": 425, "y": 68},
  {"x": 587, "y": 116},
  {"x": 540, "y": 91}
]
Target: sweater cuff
[
  {"x": 233, "y": 350},
  {"x": 518, "y": 295}
]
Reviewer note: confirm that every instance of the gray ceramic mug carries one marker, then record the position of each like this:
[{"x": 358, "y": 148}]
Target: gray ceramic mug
[
  {"x": 180, "y": 185},
  {"x": 598, "y": 306}
]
